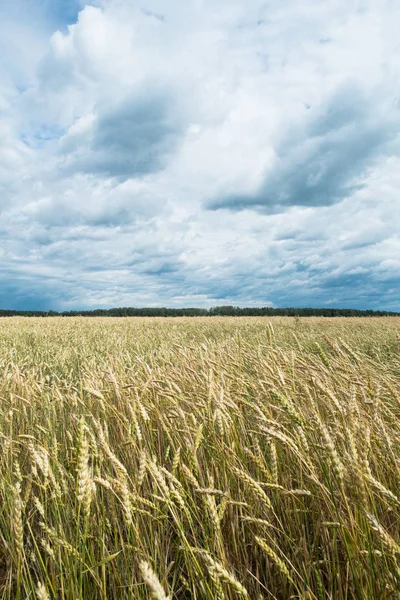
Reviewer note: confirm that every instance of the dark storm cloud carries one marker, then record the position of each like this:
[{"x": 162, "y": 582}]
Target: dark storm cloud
[
  {"x": 19, "y": 291},
  {"x": 327, "y": 161},
  {"x": 132, "y": 139}
]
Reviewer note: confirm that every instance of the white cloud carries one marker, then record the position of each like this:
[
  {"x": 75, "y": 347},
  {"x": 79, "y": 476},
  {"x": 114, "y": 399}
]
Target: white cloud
[{"x": 135, "y": 120}]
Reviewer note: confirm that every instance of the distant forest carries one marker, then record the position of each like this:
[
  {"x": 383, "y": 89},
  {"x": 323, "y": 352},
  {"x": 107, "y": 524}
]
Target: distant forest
[{"x": 217, "y": 311}]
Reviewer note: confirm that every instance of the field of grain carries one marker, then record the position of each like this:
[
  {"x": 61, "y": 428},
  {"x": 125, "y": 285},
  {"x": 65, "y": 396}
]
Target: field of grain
[{"x": 199, "y": 458}]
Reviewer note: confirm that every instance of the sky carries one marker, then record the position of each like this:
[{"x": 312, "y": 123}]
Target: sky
[{"x": 199, "y": 153}]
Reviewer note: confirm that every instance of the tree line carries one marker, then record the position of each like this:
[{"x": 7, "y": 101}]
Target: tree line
[{"x": 216, "y": 311}]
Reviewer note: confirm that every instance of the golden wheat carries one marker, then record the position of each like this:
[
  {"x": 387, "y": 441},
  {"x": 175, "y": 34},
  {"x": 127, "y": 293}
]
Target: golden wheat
[{"x": 199, "y": 458}]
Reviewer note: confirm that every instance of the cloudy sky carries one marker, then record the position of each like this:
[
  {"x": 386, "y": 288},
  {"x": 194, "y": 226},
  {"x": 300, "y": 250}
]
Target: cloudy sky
[{"x": 199, "y": 153}]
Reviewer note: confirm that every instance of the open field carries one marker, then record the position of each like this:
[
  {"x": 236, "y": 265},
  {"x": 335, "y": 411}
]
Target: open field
[{"x": 199, "y": 458}]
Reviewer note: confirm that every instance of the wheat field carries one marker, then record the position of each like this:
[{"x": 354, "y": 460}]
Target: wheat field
[{"x": 199, "y": 458}]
